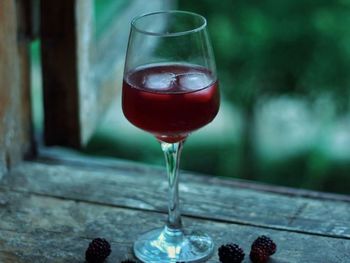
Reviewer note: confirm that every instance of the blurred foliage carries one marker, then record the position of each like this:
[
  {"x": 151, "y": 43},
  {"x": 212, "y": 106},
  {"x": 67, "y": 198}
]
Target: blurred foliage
[
  {"x": 283, "y": 67},
  {"x": 276, "y": 47},
  {"x": 295, "y": 49}
]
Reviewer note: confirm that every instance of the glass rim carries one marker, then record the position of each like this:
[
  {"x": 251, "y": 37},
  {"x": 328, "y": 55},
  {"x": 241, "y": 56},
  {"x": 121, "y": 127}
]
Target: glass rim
[{"x": 173, "y": 34}]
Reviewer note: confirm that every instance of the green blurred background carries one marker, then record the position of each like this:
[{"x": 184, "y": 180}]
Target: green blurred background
[{"x": 284, "y": 71}]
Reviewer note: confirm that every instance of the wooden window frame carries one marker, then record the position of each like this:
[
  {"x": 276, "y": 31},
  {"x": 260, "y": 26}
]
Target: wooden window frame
[{"x": 81, "y": 74}]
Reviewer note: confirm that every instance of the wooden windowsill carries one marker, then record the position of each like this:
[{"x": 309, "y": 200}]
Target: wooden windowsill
[{"x": 51, "y": 207}]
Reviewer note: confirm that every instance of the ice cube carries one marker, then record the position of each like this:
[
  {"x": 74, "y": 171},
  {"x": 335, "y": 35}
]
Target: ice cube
[
  {"x": 194, "y": 81},
  {"x": 159, "y": 81}
]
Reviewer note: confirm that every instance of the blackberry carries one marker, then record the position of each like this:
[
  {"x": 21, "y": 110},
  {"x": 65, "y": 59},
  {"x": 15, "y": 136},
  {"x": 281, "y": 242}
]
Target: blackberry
[
  {"x": 230, "y": 253},
  {"x": 265, "y": 243},
  {"x": 98, "y": 250},
  {"x": 259, "y": 255}
]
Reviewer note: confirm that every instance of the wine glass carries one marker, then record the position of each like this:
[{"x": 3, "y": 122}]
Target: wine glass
[{"x": 170, "y": 89}]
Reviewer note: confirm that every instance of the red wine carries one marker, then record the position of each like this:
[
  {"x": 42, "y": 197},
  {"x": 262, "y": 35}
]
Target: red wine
[{"x": 171, "y": 100}]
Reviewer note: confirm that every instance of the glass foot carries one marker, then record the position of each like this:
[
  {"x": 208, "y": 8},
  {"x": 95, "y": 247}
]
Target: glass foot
[{"x": 169, "y": 245}]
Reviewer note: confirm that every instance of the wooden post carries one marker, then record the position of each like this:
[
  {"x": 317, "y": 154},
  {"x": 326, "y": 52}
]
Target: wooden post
[
  {"x": 15, "y": 116},
  {"x": 71, "y": 96},
  {"x": 60, "y": 76}
]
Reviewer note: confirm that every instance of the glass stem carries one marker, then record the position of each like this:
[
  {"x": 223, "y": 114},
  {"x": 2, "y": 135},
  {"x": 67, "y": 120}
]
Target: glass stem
[{"x": 172, "y": 152}]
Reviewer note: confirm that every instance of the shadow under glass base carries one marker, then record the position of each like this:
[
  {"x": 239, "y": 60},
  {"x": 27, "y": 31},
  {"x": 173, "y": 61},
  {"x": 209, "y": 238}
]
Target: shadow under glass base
[{"x": 169, "y": 245}]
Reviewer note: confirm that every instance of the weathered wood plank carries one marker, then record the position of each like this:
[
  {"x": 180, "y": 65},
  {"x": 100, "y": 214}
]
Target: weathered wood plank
[
  {"x": 64, "y": 156},
  {"x": 15, "y": 120},
  {"x": 145, "y": 188},
  {"x": 43, "y": 229}
]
